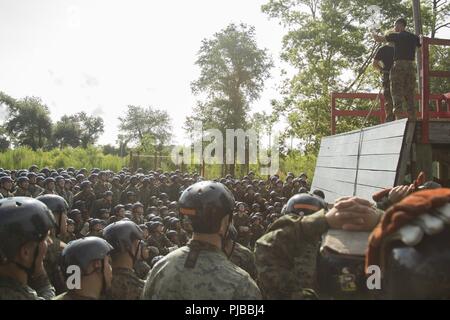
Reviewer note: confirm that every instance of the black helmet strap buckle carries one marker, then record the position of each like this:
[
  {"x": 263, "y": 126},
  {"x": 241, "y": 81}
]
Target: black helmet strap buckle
[{"x": 192, "y": 257}]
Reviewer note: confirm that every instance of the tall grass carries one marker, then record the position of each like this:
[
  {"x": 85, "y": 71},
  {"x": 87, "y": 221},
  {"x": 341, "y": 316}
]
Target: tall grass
[
  {"x": 92, "y": 157},
  {"x": 89, "y": 158}
]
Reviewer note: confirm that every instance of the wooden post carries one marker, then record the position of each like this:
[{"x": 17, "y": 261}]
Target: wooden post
[
  {"x": 418, "y": 31},
  {"x": 425, "y": 93},
  {"x": 333, "y": 114},
  {"x": 424, "y": 160}
]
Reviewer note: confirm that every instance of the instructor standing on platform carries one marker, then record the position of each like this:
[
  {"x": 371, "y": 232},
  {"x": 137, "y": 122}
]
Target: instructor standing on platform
[{"x": 403, "y": 73}]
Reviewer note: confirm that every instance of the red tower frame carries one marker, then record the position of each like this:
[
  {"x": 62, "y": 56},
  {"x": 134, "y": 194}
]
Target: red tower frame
[{"x": 424, "y": 97}]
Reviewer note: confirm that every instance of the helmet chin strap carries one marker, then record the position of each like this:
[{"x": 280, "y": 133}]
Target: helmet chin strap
[
  {"x": 135, "y": 255},
  {"x": 224, "y": 236},
  {"x": 29, "y": 271}
]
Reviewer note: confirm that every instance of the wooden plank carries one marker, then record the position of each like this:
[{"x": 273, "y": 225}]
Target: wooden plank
[
  {"x": 383, "y": 131},
  {"x": 439, "y": 132},
  {"x": 378, "y": 149},
  {"x": 366, "y": 192},
  {"x": 338, "y": 187},
  {"x": 376, "y": 179},
  {"x": 345, "y": 189},
  {"x": 385, "y": 146},
  {"x": 379, "y": 179},
  {"x": 330, "y": 197},
  {"x": 405, "y": 154},
  {"x": 366, "y": 162}
]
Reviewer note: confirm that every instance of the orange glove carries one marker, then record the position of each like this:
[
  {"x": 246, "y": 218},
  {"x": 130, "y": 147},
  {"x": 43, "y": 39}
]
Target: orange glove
[{"x": 401, "y": 214}]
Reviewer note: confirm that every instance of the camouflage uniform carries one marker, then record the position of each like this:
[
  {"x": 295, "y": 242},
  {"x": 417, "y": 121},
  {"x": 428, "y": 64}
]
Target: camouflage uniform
[
  {"x": 11, "y": 289},
  {"x": 403, "y": 85},
  {"x": 161, "y": 242},
  {"x": 66, "y": 238},
  {"x": 99, "y": 204},
  {"x": 51, "y": 265},
  {"x": 141, "y": 268},
  {"x": 35, "y": 190},
  {"x": 69, "y": 198},
  {"x": 126, "y": 285},
  {"x": 387, "y": 96},
  {"x": 244, "y": 259},
  {"x": 213, "y": 277},
  {"x": 100, "y": 188},
  {"x": 85, "y": 196},
  {"x": 242, "y": 220},
  {"x": 286, "y": 256},
  {"x": 117, "y": 195},
  {"x": 20, "y": 192},
  {"x": 5, "y": 193},
  {"x": 62, "y": 192},
  {"x": 183, "y": 237}
]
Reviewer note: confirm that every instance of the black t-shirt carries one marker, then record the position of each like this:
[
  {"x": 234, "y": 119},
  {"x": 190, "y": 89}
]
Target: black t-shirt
[
  {"x": 405, "y": 45},
  {"x": 386, "y": 55}
]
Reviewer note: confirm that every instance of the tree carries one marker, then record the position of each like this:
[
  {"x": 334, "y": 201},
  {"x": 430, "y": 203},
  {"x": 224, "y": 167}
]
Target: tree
[
  {"x": 329, "y": 44},
  {"x": 4, "y": 142},
  {"x": 78, "y": 129},
  {"x": 232, "y": 74},
  {"x": 91, "y": 128},
  {"x": 141, "y": 124},
  {"x": 439, "y": 16},
  {"x": 29, "y": 123},
  {"x": 67, "y": 132}
]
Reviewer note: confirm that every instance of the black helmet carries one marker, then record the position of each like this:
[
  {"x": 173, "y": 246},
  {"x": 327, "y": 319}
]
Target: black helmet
[
  {"x": 85, "y": 184},
  {"x": 207, "y": 203},
  {"x": 319, "y": 193},
  {"x": 107, "y": 193},
  {"x": 31, "y": 174},
  {"x": 305, "y": 203},
  {"x": 155, "y": 260},
  {"x": 55, "y": 203},
  {"x": 22, "y": 219},
  {"x": 70, "y": 222},
  {"x": 121, "y": 234},
  {"x": 48, "y": 180},
  {"x": 81, "y": 252},
  {"x": 6, "y": 179},
  {"x": 22, "y": 179}
]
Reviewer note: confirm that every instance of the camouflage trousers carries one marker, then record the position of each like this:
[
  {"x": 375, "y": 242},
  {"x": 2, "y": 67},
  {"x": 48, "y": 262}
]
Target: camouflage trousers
[
  {"x": 403, "y": 85},
  {"x": 387, "y": 97}
]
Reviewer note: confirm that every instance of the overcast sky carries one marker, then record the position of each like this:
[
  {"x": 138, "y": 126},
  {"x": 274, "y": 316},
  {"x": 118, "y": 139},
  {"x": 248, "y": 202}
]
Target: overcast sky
[{"x": 99, "y": 56}]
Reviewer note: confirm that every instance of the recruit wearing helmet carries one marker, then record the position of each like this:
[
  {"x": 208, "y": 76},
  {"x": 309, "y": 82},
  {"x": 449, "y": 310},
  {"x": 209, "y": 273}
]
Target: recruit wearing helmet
[
  {"x": 58, "y": 205},
  {"x": 122, "y": 234},
  {"x": 207, "y": 203},
  {"x": 22, "y": 220},
  {"x": 81, "y": 252},
  {"x": 305, "y": 204}
]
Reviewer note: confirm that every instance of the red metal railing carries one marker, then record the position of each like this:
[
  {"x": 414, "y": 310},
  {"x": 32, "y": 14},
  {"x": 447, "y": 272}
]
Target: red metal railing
[
  {"x": 426, "y": 74},
  {"x": 425, "y": 97}
]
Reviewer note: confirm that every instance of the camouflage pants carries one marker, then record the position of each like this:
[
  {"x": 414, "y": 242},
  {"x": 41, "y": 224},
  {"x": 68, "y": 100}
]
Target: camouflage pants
[
  {"x": 403, "y": 85},
  {"x": 387, "y": 97}
]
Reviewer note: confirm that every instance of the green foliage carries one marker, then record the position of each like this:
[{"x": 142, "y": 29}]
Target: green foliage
[
  {"x": 28, "y": 123},
  {"x": 329, "y": 43},
  {"x": 90, "y": 157},
  {"x": 232, "y": 74},
  {"x": 141, "y": 124}
]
